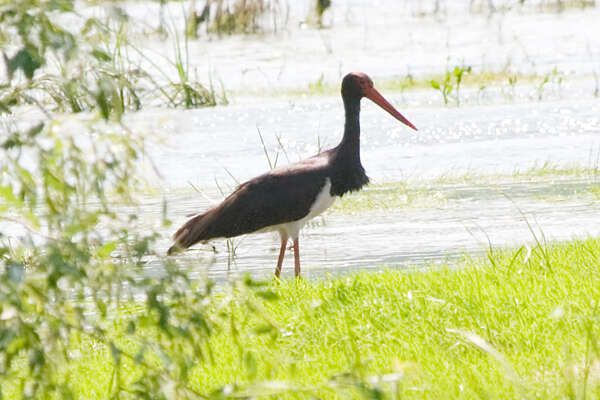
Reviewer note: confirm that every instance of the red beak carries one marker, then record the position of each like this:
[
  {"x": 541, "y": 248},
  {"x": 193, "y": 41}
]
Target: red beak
[{"x": 378, "y": 99}]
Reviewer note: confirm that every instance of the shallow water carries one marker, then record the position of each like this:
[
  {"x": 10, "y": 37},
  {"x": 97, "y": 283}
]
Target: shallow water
[
  {"x": 200, "y": 146},
  {"x": 387, "y": 38},
  {"x": 470, "y": 218}
]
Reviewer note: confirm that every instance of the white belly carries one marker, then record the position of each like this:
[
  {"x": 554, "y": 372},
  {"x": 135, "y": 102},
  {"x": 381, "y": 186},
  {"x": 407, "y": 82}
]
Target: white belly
[{"x": 323, "y": 201}]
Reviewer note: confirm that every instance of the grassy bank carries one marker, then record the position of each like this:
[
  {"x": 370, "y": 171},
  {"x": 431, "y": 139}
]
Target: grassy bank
[{"x": 522, "y": 323}]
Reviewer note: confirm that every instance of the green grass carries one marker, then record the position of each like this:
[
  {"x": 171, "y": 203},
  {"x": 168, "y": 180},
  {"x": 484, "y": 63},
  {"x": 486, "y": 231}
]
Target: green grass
[
  {"x": 504, "y": 328},
  {"x": 518, "y": 324}
]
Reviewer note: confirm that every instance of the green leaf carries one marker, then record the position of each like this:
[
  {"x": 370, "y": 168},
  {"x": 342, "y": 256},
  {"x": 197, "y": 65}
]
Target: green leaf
[
  {"x": 15, "y": 271},
  {"x": 89, "y": 24},
  {"x": 34, "y": 131},
  {"x": 101, "y": 307},
  {"x": 4, "y": 108},
  {"x": 23, "y": 60},
  {"x": 115, "y": 352},
  {"x": 8, "y": 196},
  {"x": 263, "y": 329},
  {"x": 434, "y": 84},
  {"x": 105, "y": 251},
  {"x": 36, "y": 359},
  {"x": 102, "y": 98},
  {"x": 61, "y": 5},
  {"x": 101, "y": 55}
]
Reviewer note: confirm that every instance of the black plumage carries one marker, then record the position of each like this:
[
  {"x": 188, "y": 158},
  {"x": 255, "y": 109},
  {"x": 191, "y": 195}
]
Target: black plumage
[{"x": 288, "y": 194}]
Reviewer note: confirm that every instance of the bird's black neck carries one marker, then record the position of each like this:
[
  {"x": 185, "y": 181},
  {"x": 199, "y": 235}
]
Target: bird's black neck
[
  {"x": 347, "y": 172},
  {"x": 352, "y": 125}
]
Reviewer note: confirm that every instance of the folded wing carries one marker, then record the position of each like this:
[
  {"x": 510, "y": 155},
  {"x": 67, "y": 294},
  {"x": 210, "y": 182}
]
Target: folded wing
[{"x": 271, "y": 199}]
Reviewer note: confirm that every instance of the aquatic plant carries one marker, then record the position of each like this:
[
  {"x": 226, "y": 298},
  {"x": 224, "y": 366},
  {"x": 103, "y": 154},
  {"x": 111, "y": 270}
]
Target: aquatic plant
[
  {"x": 561, "y": 5},
  {"x": 451, "y": 82},
  {"x": 320, "y": 7},
  {"x": 229, "y": 17},
  {"x": 241, "y": 16},
  {"x": 512, "y": 82},
  {"x": 186, "y": 92},
  {"x": 555, "y": 76},
  {"x": 316, "y": 11},
  {"x": 483, "y": 5},
  {"x": 491, "y": 6},
  {"x": 319, "y": 85},
  {"x": 195, "y": 18}
]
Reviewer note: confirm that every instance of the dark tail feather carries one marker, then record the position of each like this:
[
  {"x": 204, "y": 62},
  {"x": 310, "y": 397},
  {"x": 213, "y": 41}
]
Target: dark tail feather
[
  {"x": 173, "y": 249},
  {"x": 189, "y": 234}
]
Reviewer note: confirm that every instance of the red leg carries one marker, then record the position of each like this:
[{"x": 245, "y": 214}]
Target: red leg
[
  {"x": 284, "y": 240},
  {"x": 296, "y": 258}
]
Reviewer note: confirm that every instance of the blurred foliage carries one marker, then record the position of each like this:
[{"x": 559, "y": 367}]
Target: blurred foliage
[
  {"x": 74, "y": 254},
  {"x": 83, "y": 67},
  {"x": 72, "y": 251},
  {"x": 77, "y": 72}
]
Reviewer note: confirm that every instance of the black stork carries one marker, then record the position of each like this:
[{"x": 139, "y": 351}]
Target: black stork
[{"x": 285, "y": 198}]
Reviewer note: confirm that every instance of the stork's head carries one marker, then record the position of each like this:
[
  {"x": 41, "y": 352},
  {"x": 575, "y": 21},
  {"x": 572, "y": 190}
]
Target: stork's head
[{"x": 359, "y": 85}]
